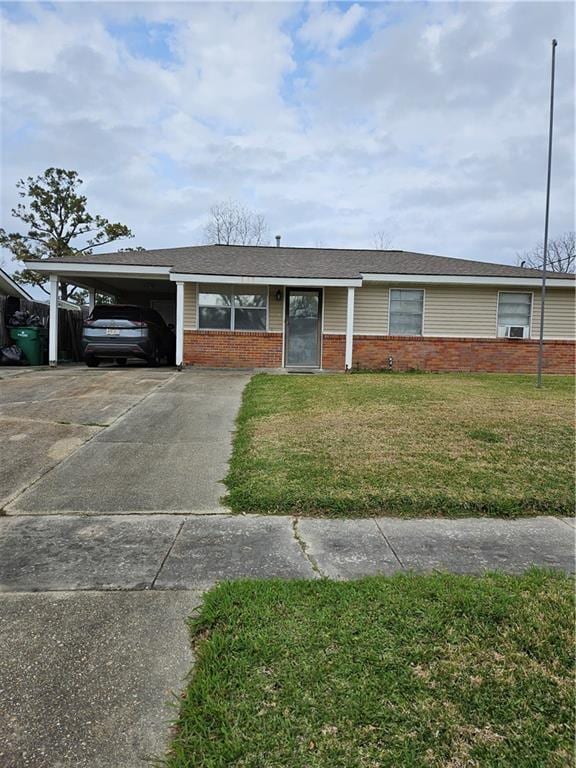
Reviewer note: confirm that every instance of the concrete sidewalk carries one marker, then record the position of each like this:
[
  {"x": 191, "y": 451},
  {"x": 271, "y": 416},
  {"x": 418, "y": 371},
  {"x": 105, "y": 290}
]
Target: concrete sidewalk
[
  {"x": 93, "y": 608},
  {"x": 164, "y": 552}
]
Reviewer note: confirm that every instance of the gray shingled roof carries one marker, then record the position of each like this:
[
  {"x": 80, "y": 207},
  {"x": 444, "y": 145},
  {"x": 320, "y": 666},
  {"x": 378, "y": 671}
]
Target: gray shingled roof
[{"x": 270, "y": 261}]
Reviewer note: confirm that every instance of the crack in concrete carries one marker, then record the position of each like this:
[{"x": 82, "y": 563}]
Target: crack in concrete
[
  {"x": 167, "y": 555},
  {"x": 387, "y": 540},
  {"x": 304, "y": 548}
]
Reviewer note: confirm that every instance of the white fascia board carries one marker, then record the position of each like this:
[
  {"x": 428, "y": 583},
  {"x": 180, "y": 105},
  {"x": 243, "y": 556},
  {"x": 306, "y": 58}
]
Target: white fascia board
[
  {"x": 98, "y": 270},
  {"x": 13, "y": 286},
  {"x": 551, "y": 282},
  {"x": 286, "y": 281}
]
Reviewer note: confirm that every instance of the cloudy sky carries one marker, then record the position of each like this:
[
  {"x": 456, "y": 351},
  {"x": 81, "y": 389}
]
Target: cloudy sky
[{"x": 335, "y": 120}]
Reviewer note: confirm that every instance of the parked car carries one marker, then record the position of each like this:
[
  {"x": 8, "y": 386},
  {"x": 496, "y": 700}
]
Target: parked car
[{"x": 122, "y": 331}]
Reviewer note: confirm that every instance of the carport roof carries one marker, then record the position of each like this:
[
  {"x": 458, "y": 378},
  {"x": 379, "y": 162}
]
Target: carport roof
[{"x": 314, "y": 263}]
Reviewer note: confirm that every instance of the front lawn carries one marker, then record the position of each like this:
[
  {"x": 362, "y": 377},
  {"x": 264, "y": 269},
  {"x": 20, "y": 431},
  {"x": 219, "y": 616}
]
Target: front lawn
[
  {"x": 405, "y": 672},
  {"x": 404, "y": 444}
]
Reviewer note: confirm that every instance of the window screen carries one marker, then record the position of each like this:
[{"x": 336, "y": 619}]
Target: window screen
[
  {"x": 514, "y": 309},
  {"x": 239, "y": 308},
  {"x": 406, "y": 308},
  {"x": 250, "y": 311}
]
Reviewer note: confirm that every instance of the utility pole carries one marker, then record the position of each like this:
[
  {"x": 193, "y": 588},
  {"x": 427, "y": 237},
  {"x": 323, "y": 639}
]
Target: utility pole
[{"x": 545, "y": 255}]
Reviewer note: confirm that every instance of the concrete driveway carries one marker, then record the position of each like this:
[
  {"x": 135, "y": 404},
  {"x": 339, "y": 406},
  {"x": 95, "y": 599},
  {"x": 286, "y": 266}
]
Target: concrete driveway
[
  {"x": 87, "y": 674},
  {"x": 116, "y": 440}
]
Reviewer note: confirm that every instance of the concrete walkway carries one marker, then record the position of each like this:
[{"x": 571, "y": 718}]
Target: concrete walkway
[
  {"x": 168, "y": 552},
  {"x": 93, "y": 608}
]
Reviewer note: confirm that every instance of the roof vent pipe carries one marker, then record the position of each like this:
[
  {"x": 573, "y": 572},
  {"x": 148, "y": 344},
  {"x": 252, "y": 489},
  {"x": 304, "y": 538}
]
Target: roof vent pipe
[{"x": 278, "y": 241}]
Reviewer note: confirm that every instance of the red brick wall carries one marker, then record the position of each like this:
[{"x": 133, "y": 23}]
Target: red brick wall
[
  {"x": 229, "y": 349},
  {"x": 333, "y": 351},
  {"x": 459, "y": 354}
]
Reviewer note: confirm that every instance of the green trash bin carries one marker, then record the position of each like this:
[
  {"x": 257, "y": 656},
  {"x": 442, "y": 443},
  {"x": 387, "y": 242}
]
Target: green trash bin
[{"x": 33, "y": 341}]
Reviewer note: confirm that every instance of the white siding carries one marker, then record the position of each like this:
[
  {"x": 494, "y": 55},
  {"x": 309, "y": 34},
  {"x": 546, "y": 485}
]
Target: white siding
[
  {"x": 449, "y": 310},
  {"x": 335, "y": 307},
  {"x": 460, "y": 311},
  {"x": 371, "y": 310},
  {"x": 559, "y": 314},
  {"x": 189, "y": 306}
]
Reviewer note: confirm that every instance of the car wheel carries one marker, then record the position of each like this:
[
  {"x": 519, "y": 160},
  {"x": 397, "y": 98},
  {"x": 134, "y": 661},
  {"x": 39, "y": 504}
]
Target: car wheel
[
  {"x": 92, "y": 362},
  {"x": 120, "y": 361}
]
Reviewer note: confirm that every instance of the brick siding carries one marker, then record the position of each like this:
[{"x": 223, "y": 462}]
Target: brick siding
[
  {"x": 333, "y": 351},
  {"x": 461, "y": 354},
  {"x": 229, "y": 349}
]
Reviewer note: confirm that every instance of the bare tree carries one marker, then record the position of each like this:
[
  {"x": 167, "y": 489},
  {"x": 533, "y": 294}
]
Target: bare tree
[
  {"x": 232, "y": 224},
  {"x": 381, "y": 240},
  {"x": 561, "y": 254}
]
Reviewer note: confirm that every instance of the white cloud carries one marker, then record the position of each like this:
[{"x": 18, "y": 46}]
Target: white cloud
[
  {"x": 327, "y": 26},
  {"x": 433, "y": 120}
]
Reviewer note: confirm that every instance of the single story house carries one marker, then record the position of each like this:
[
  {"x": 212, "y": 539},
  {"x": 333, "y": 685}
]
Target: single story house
[{"x": 335, "y": 309}]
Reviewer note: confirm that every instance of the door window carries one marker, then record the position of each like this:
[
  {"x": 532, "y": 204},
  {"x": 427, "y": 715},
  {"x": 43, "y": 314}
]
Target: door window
[{"x": 303, "y": 329}]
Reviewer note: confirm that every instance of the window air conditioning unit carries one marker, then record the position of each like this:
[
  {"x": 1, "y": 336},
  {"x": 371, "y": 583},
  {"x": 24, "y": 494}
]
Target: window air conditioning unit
[{"x": 516, "y": 331}]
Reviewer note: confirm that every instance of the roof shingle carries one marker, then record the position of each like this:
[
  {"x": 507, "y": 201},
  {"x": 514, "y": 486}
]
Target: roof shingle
[{"x": 271, "y": 261}]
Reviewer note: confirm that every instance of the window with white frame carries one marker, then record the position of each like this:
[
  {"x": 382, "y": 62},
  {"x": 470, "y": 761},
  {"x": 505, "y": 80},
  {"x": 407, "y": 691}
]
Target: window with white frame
[
  {"x": 514, "y": 314},
  {"x": 406, "y": 310},
  {"x": 233, "y": 308}
]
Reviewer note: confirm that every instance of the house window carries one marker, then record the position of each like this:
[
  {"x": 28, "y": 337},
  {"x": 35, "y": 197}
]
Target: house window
[
  {"x": 406, "y": 309},
  {"x": 233, "y": 309},
  {"x": 514, "y": 314}
]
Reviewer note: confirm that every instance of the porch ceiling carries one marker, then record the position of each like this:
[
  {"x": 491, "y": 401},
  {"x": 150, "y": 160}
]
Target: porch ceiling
[{"x": 119, "y": 285}]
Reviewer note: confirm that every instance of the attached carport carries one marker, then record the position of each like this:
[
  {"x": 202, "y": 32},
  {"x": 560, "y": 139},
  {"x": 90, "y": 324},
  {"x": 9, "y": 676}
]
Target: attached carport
[{"x": 147, "y": 286}]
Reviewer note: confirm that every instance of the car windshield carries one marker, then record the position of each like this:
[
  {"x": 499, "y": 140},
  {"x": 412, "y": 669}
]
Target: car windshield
[
  {"x": 151, "y": 316},
  {"x": 116, "y": 312}
]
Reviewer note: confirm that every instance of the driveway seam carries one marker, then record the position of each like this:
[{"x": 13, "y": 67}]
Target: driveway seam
[
  {"x": 12, "y": 499},
  {"x": 387, "y": 540},
  {"x": 305, "y": 549},
  {"x": 167, "y": 555}
]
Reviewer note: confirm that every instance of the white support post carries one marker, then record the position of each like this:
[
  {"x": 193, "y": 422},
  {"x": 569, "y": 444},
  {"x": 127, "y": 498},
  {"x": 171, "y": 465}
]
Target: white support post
[
  {"x": 91, "y": 298},
  {"x": 180, "y": 325},
  {"x": 349, "y": 328},
  {"x": 53, "y": 323}
]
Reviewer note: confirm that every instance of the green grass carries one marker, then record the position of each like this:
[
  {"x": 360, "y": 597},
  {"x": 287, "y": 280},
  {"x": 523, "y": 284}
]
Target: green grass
[
  {"x": 400, "y": 444},
  {"x": 405, "y": 672}
]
